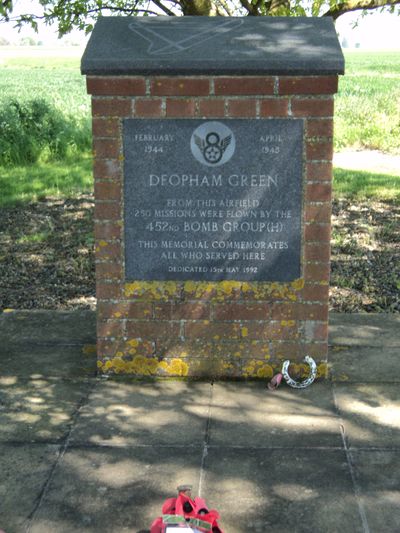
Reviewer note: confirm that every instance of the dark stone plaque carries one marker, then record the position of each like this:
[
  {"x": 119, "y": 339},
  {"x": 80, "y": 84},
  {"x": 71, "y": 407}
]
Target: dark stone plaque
[{"x": 213, "y": 199}]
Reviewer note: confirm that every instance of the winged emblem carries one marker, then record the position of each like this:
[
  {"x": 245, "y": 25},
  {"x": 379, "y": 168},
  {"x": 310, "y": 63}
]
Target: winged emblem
[{"x": 212, "y": 147}]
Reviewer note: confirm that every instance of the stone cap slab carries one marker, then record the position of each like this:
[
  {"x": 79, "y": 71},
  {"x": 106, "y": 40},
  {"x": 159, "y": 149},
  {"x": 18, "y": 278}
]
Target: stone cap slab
[{"x": 213, "y": 45}]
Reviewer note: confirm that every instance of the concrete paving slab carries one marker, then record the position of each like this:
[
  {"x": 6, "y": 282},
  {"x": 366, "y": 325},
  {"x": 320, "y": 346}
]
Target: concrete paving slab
[
  {"x": 370, "y": 414},
  {"x": 44, "y": 326},
  {"x": 162, "y": 413},
  {"x": 378, "y": 478},
  {"x": 358, "y": 329},
  {"x": 361, "y": 364},
  {"x": 23, "y": 474},
  {"x": 281, "y": 491},
  {"x": 32, "y": 361},
  {"x": 247, "y": 414},
  {"x": 114, "y": 490},
  {"x": 39, "y": 409}
]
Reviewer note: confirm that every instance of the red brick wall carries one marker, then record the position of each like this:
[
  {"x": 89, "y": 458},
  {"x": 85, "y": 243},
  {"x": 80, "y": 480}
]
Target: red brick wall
[{"x": 225, "y": 329}]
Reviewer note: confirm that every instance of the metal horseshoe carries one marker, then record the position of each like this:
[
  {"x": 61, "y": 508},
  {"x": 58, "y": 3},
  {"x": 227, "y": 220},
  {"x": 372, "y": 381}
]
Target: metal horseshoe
[{"x": 300, "y": 384}]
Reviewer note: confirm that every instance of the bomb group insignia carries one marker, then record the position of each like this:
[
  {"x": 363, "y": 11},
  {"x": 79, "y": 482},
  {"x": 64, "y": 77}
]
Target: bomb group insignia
[
  {"x": 212, "y": 146},
  {"x": 212, "y": 143}
]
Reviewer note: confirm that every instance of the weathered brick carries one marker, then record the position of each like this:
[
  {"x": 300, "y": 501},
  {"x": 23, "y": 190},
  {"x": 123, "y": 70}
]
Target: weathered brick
[
  {"x": 284, "y": 329},
  {"x": 148, "y": 107},
  {"x": 308, "y": 85},
  {"x": 108, "y": 250},
  {"x": 180, "y": 107},
  {"x": 107, "y": 211},
  {"x": 317, "y": 251},
  {"x": 312, "y": 107},
  {"x": 138, "y": 310},
  {"x": 315, "y": 292},
  {"x": 241, "y": 311},
  {"x": 284, "y": 311},
  {"x": 107, "y": 348},
  {"x": 318, "y": 351},
  {"x": 319, "y": 171},
  {"x": 308, "y": 311},
  {"x": 111, "y": 107},
  {"x": 319, "y": 151},
  {"x": 107, "y": 169},
  {"x": 110, "y": 328},
  {"x": 236, "y": 86},
  {"x": 108, "y": 270},
  {"x": 152, "y": 329},
  {"x": 163, "y": 311},
  {"x": 315, "y": 331},
  {"x": 111, "y": 348},
  {"x": 180, "y": 87},
  {"x": 317, "y": 232},
  {"x": 316, "y": 272},
  {"x": 319, "y": 128},
  {"x": 210, "y": 330},
  {"x": 107, "y": 231},
  {"x": 106, "y": 148},
  {"x": 105, "y": 127},
  {"x": 245, "y": 107},
  {"x": 190, "y": 311},
  {"x": 318, "y": 192},
  {"x": 121, "y": 86},
  {"x": 108, "y": 290},
  {"x": 107, "y": 190},
  {"x": 285, "y": 350},
  {"x": 318, "y": 213},
  {"x": 211, "y": 107},
  {"x": 274, "y": 107},
  {"x": 182, "y": 311}
]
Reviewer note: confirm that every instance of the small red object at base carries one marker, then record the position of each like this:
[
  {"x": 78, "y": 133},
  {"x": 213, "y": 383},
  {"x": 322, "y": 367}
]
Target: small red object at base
[
  {"x": 275, "y": 382},
  {"x": 184, "y": 510}
]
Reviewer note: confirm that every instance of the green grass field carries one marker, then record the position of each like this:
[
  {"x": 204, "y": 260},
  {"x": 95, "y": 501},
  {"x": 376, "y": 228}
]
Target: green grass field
[
  {"x": 367, "y": 110},
  {"x": 55, "y": 79},
  {"x": 367, "y": 116}
]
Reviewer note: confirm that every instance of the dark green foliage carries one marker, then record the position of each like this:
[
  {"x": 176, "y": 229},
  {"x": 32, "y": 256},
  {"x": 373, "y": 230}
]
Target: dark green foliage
[{"x": 35, "y": 129}]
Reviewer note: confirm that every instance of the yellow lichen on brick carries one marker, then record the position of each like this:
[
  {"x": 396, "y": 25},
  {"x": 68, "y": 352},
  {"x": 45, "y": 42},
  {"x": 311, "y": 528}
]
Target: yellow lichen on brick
[
  {"x": 322, "y": 370},
  {"x": 297, "y": 284},
  {"x": 157, "y": 290},
  {"x": 199, "y": 289},
  {"x": 288, "y": 323},
  {"x": 245, "y": 332},
  {"x": 265, "y": 371},
  {"x": 246, "y": 287},
  {"x": 117, "y": 314},
  {"x": 258, "y": 369},
  {"x": 227, "y": 288},
  {"x": 176, "y": 367},
  {"x": 133, "y": 342}
]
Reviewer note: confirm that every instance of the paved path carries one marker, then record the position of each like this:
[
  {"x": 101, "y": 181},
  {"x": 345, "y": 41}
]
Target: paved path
[
  {"x": 84, "y": 454},
  {"x": 368, "y": 160}
]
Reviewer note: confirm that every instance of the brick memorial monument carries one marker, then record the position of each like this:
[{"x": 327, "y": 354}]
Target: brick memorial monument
[{"x": 213, "y": 167}]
